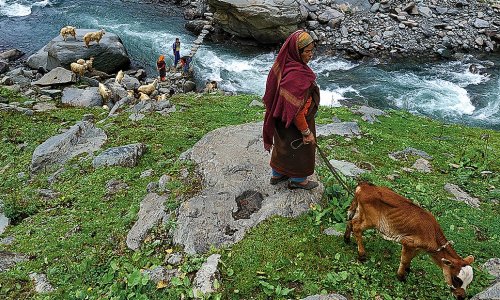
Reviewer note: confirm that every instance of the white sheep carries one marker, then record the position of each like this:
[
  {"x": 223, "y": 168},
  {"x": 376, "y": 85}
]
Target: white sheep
[
  {"x": 119, "y": 77},
  {"x": 104, "y": 92},
  {"x": 148, "y": 89},
  {"x": 90, "y": 63},
  {"x": 143, "y": 97},
  {"x": 68, "y": 30},
  {"x": 161, "y": 97},
  {"x": 78, "y": 68},
  {"x": 93, "y": 36}
]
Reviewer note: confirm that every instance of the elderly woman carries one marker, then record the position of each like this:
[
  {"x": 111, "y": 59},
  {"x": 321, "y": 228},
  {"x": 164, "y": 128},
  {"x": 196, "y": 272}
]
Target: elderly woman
[{"x": 292, "y": 100}]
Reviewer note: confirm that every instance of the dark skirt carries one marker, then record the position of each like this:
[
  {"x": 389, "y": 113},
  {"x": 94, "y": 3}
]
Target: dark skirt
[{"x": 287, "y": 160}]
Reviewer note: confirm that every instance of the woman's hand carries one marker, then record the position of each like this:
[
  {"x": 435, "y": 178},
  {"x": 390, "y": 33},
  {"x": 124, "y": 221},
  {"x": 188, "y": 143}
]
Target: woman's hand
[{"x": 309, "y": 139}]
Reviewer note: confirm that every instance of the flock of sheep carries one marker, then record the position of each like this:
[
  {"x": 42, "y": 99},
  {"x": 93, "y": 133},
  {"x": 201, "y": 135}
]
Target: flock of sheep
[{"x": 81, "y": 66}]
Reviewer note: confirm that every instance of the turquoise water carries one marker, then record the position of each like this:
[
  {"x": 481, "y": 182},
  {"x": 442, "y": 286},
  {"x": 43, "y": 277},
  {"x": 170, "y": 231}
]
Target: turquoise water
[{"x": 445, "y": 90}]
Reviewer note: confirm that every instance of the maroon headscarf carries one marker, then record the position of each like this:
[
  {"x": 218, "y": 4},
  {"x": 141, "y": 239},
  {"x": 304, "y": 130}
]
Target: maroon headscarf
[{"x": 286, "y": 87}]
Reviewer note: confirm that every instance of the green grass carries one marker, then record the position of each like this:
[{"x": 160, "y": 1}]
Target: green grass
[{"x": 78, "y": 238}]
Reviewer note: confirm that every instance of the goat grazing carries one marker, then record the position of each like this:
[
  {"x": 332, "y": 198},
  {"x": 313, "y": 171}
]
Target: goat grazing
[
  {"x": 399, "y": 219},
  {"x": 68, "y": 30},
  {"x": 148, "y": 89},
  {"x": 93, "y": 36}
]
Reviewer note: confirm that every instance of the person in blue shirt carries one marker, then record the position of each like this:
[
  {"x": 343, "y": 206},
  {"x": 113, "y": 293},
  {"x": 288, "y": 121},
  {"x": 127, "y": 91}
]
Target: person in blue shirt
[{"x": 176, "y": 47}]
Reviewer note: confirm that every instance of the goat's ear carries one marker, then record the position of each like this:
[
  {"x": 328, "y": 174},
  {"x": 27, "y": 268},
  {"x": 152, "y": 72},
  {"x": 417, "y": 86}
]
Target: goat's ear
[
  {"x": 469, "y": 259},
  {"x": 446, "y": 262}
]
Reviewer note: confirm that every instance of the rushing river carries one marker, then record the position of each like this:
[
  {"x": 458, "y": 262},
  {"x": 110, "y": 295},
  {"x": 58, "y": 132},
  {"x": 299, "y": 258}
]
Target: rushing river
[{"x": 443, "y": 90}]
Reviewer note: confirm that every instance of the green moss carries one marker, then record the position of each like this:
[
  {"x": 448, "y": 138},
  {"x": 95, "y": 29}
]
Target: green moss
[{"x": 78, "y": 238}]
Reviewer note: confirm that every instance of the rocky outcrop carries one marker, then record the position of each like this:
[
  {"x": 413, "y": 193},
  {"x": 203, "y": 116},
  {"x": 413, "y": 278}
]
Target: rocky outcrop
[
  {"x": 151, "y": 213},
  {"x": 267, "y": 21},
  {"x": 236, "y": 192},
  {"x": 125, "y": 156},
  {"x": 359, "y": 28},
  {"x": 109, "y": 55},
  {"x": 80, "y": 138}
]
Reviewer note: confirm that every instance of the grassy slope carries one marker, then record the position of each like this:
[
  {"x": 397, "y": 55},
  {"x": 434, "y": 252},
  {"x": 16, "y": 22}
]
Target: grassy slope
[{"x": 78, "y": 239}]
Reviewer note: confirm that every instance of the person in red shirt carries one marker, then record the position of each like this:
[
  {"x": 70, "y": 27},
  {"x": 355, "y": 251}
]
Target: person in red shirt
[{"x": 292, "y": 100}]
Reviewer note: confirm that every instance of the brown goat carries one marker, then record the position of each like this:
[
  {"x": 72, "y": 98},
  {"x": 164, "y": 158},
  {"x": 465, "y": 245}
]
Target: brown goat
[{"x": 399, "y": 219}]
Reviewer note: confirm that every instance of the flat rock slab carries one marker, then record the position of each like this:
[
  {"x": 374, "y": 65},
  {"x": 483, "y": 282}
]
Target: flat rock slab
[
  {"x": 461, "y": 195},
  {"x": 42, "y": 285},
  {"x": 9, "y": 259},
  {"x": 125, "y": 156},
  {"x": 347, "y": 168},
  {"x": 44, "y": 106},
  {"x": 87, "y": 97},
  {"x": 326, "y": 297},
  {"x": 79, "y": 138},
  {"x": 57, "y": 76},
  {"x": 491, "y": 293},
  {"x": 369, "y": 114},
  {"x": 342, "y": 129},
  {"x": 151, "y": 212},
  {"x": 206, "y": 275},
  {"x": 493, "y": 267},
  {"x": 235, "y": 171},
  {"x": 403, "y": 154}
]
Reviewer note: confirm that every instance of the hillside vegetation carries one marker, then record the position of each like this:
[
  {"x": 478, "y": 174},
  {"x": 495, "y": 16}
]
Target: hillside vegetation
[{"x": 78, "y": 237}]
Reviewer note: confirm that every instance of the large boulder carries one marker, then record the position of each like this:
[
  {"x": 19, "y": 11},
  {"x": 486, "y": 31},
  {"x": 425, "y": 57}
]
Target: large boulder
[
  {"x": 79, "y": 138},
  {"x": 267, "y": 21},
  {"x": 236, "y": 193},
  {"x": 109, "y": 55}
]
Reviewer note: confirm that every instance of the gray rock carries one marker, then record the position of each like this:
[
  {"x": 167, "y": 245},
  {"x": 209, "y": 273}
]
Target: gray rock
[
  {"x": 267, "y": 21},
  {"x": 403, "y": 154},
  {"x": 329, "y": 14},
  {"x": 213, "y": 217},
  {"x": 175, "y": 259},
  {"x": 422, "y": 165},
  {"x": 44, "y": 106},
  {"x": 189, "y": 86},
  {"x": 80, "y": 138},
  {"x": 4, "y": 66},
  {"x": 256, "y": 103},
  {"x": 110, "y": 54},
  {"x": 425, "y": 11},
  {"x": 347, "y": 168},
  {"x": 493, "y": 267},
  {"x": 491, "y": 293},
  {"x": 48, "y": 193},
  {"x": 151, "y": 212},
  {"x": 57, "y": 76},
  {"x": 326, "y": 297},
  {"x": 343, "y": 129},
  {"x": 6, "y": 81},
  {"x": 331, "y": 231},
  {"x": 161, "y": 274},
  {"x": 11, "y": 55},
  {"x": 461, "y": 195},
  {"x": 152, "y": 187},
  {"x": 369, "y": 113},
  {"x": 42, "y": 285},
  {"x": 136, "y": 117},
  {"x": 130, "y": 83},
  {"x": 4, "y": 221},
  {"x": 146, "y": 173},
  {"x": 87, "y": 97},
  {"x": 51, "y": 93},
  {"x": 162, "y": 182},
  {"x": 9, "y": 259},
  {"x": 125, "y": 156},
  {"x": 480, "y": 23},
  {"x": 115, "y": 186},
  {"x": 204, "y": 280}
]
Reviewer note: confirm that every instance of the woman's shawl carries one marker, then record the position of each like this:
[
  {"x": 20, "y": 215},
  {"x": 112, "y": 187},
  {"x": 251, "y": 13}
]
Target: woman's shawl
[{"x": 286, "y": 88}]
